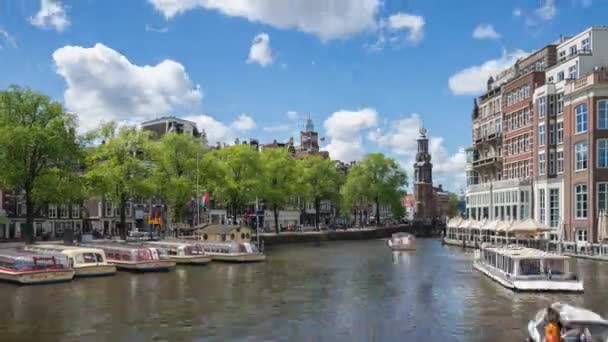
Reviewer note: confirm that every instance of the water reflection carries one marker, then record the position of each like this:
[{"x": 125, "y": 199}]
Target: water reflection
[{"x": 401, "y": 257}]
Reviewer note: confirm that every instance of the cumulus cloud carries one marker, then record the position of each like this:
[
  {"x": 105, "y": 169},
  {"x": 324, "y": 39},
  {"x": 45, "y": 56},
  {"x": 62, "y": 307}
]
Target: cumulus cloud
[
  {"x": 326, "y": 19},
  {"x": 51, "y": 16},
  {"x": 485, "y": 31},
  {"x": 473, "y": 80},
  {"x": 260, "y": 51},
  {"x": 547, "y": 11},
  {"x": 344, "y": 129},
  {"x": 413, "y": 24},
  {"x": 244, "y": 122},
  {"x": 293, "y": 116},
  {"x": 5, "y": 37},
  {"x": 104, "y": 85}
]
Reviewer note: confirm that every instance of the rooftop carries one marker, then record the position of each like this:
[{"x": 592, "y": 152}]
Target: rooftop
[{"x": 517, "y": 252}]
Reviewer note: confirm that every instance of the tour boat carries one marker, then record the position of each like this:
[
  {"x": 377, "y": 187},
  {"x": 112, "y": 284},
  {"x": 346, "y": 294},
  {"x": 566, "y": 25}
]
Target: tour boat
[
  {"x": 86, "y": 262},
  {"x": 402, "y": 242},
  {"x": 567, "y": 323},
  {"x": 527, "y": 269},
  {"x": 183, "y": 253},
  {"x": 233, "y": 251},
  {"x": 133, "y": 257},
  {"x": 27, "y": 267}
]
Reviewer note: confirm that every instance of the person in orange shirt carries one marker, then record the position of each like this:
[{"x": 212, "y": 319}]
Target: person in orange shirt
[{"x": 552, "y": 332}]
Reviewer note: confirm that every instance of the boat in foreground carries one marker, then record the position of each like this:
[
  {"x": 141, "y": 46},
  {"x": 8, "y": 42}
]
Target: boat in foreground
[
  {"x": 86, "y": 262},
  {"x": 183, "y": 253},
  {"x": 563, "y": 322},
  {"x": 133, "y": 257},
  {"x": 233, "y": 252},
  {"x": 402, "y": 242},
  {"x": 527, "y": 269},
  {"x": 26, "y": 267}
]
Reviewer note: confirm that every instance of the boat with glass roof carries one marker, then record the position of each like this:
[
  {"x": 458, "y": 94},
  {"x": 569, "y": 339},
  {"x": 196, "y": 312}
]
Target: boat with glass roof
[
  {"x": 183, "y": 253},
  {"x": 27, "y": 267},
  {"x": 233, "y": 251},
  {"x": 527, "y": 269},
  {"x": 134, "y": 257},
  {"x": 402, "y": 242},
  {"x": 86, "y": 262}
]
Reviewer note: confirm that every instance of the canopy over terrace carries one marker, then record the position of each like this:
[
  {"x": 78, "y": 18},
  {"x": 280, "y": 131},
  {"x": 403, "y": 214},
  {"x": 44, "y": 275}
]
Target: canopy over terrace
[
  {"x": 455, "y": 222},
  {"x": 528, "y": 227}
]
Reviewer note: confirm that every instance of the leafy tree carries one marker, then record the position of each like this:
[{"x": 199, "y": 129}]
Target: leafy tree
[
  {"x": 377, "y": 179},
  {"x": 319, "y": 180},
  {"x": 453, "y": 205},
  {"x": 119, "y": 168},
  {"x": 175, "y": 172},
  {"x": 278, "y": 180},
  {"x": 39, "y": 151},
  {"x": 233, "y": 175}
]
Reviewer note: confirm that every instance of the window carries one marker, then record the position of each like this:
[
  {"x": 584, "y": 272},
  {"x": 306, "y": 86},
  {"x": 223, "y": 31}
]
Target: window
[
  {"x": 542, "y": 107},
  {"x": 542, "y": 205},
  {"x": 572, "y": 72},
  {"x": 602, "y": 197},
  {"x": 109, "y": 210},
  {"x": 75, "y": 211},
  {"x": 581, "y": 235},
  {"x": 541, "y": 164},
  {"x": 63, "y": 211},
  {"x": 128, "y": 209},
  {"x": 580, "y": 209},
  {"x": 552, "y": 162},
  {"x": 573, "y": 50},
  {"x": 52, "y": 211},
  {"x": 585, "y": 45},
  {"x": 602, "y": 114},
  {"x": 561, "y": 76},
  {"x": 560, "y": 132},
  {"x": 602, "y": 153},
  {"x": 560, "y": 103},
  {"x": 553, "y": 207},
  {"x": 581, "y": 156},
  {"x": 552, "y": 133},
  {"x": 541, "y": 135},
  {"x": 560, "y": 162},
  {"x": 581, "y": 118}
]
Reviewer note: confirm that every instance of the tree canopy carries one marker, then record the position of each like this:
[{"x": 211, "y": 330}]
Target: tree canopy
[
  {"x": 278, "y": 181},
  {"x": 319, "y": 181}
]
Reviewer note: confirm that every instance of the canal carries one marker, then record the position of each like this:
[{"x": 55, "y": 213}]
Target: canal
[{"x": 340, "y": 291}]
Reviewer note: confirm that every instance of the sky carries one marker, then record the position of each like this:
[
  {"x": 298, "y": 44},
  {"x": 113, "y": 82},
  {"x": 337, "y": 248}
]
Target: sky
[{"x": 369, "y": 73}]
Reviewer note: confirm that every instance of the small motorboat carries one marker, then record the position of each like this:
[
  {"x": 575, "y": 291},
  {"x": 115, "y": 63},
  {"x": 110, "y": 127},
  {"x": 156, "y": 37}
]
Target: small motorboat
[
  {"x": 568, "y": 323},
  {"x": 402, "y": 242}
]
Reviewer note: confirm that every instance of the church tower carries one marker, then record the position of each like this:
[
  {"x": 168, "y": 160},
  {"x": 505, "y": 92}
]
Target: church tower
[
  {"x": 423, "y": 180},
  {"x": 309, "y": 139}
]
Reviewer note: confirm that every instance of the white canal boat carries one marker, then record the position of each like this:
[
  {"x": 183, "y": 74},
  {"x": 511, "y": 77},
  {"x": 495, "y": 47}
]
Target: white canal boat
[
  {"x": 132, "y": 257},
  {"x": 527, "y": 269},
  {"x": 402, "y": 242},
  {"x": 26, "y": 267},
  {"x": 563, "y": 322},
  {"x": 183, "y": 253},
  {"x": 87, "y": 262},
  {"x": 233, "y": 252}
]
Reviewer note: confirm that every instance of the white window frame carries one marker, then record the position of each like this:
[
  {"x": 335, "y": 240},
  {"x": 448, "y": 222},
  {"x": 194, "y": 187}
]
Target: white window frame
[
  {"x": 582, "y": 191},
  {"x": 599, "y": 148},
  {"x": 52, "y": 212},
  {"x": 554, "y": 207},
  {"x": 542, "y": 164},
  {"x": 542, "y": 206},
  {"x": 552, "y": 133},
  {"x": 559, "y": 128},
  {"x": 583, "y": 116},
  {"x": 542, "y": 135},
  {"x": 581, "y": 235},
  {"x": 560, "y": 162},
  {"x": 560, "y": 103},
  {"x": 109, "y": 209},
  {"x": 64, "y": 211},
  {"x": 581, "y": 164},
  {"x": 75, "y": 211},
  {"x": 542, "y": 107},
  {"x": 602, "y": 114},
  {"x": 602, "y": 191},
  {"x": 552, "y": 162}
]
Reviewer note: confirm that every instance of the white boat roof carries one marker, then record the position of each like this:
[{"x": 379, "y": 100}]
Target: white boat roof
[
  {"x": 64, "y": 248},
  {"x": 517, "y": 252},
  {"x": 170, "y": 243},
  {"x": 576, "y": 314}
]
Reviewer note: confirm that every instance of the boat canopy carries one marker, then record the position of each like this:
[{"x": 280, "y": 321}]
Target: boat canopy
[
  {"x": 128, "y": 252},
  {"x": 569, "y": 313},
  {"x": 229, "y": 247},
  {"x": 21, "y": 260}
]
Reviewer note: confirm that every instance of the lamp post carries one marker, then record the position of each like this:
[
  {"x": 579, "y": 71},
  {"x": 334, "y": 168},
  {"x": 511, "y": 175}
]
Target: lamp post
[{"x": 257, "y": 221}]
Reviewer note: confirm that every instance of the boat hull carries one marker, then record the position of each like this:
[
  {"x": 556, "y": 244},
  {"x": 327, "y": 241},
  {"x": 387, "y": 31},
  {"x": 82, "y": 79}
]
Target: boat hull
[
  {"x": 530, "y": 285},
  {"x": 246, "y": 257},
  {"x": 191, "y": 260},
  {"x": 145, "y": 266},
  {"x": 95, "y": 271},
  {"x": 34, "y": 278}
]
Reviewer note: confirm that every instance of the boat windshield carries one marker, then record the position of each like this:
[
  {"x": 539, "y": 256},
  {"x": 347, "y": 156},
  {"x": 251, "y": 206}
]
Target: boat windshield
[
  {"x": 194, "y": 250},
  {"x": 27, "y": 261},
  {"x": 529, "y": 267},
  {"x": 588, "y": 332},
  {"x": 555, "y": 266}
]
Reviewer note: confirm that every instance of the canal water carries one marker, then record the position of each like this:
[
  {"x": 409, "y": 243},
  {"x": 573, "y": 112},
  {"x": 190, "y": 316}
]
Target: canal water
[{"x": 339, "y": 291}]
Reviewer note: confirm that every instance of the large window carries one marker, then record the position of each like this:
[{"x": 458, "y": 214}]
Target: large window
[
  {"x": 552, "y": 133},
  {"x": 560, "y": 162},
  {"x": 52, "y": 211},
  {"x": 602, "y": 197},
  {"x": 542, "y": 107},
  {"x": 75, "y": 211},
  {"x": 109, "y": 210},
  {"x": 586, "y": 45},
  {"x": 602, "y": 114},
  {"x": 581, "y": 156},
  {"x": 542, "y": 207},
  {"x": 581, "y": 118},
  {"x": 64, "y": 211},
  {"x": 580, "y": 209},
  {"x": 553, "y": 207},
  {"x": 552, "y": 162},
  {"x": 602, "y": 153},
  {"x": 572, "y": 74},
  {"x": 581, "y": 235},
  {"x": 542, "y": 138},
  {"x": 542, "y": 160},
  {"x": 560, "y": 132},
  {"x": 560, "y": 103}
]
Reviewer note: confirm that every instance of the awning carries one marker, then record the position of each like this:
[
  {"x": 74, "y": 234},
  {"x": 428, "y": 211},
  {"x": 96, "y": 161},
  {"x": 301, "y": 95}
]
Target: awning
[
  {"x": 528, "y": 227},
  {"x": 503, "y": 226},
  {"x": 454, "y": 222},
  {"x": 478, "y": 224},
  {"x": 464, "y": 224},
  {"x": 490, "y": 225}
]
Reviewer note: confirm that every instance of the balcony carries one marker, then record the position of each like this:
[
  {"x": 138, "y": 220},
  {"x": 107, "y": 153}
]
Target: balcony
[
  {"x": 596, "y": 77},
  {"x": 499, "y": 185},
  {"x": 489, "y": 138},
  {"x": 486, "y": 161}
]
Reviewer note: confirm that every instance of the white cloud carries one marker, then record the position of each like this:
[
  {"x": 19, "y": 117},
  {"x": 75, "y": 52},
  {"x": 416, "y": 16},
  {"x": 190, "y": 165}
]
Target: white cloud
[
  {"x": 260, "y": 51},
  {"x": 293, "y": 116},
  {"x": 276, "y": 128},
  {"x": 103, "y": 85},
  {"x": 244, "y": 122},
  {"x": 414, "y": 24},
  {"x": 6, "y": 37},
  {"x": 216, "y": 131},
  {"x": 473, "y": 80},
  {"x": 150, "y": 28},
  {"x": 51, "y": 16},
  {"x": 548, "y": 10},
  {"x": 485, "y": 31},
  {"x": 517, "y": 12},
  {"x": 326, "y": 19},
  {"x": 344, "y": 129}
]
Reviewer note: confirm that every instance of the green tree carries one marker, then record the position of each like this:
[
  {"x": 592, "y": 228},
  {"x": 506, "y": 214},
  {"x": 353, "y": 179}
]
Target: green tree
[
  {"x": 278, "y": 181},
  {"x": 175, "y": 159},
  {"x": 319, "y": 180},
  {"x": 453, "y": 205},
  {"x": 233, "y": 175},
  {"x": 39, "y": 151},
  {"x": 377, "y": 179},
  {"x": 119, "y": 168}
]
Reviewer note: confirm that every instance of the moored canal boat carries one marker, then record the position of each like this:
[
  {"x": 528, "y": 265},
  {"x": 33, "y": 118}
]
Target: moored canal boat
[
  {"x": 563, "y": 322},
  {"x": 133, "y": 257},
  {"x": 86, "y": 262},
  {"x": 527, "y": 269},
  {"x": 233, "y": 252},
  {"x": 183, "y": 253},
  {"x": 402, "y": 242},
  {"x": 26, "y": 267}
]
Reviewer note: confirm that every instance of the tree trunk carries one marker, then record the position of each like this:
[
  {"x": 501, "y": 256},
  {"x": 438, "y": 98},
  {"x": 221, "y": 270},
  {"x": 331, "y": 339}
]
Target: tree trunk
[
  {"x": 123, "y": 219},
  {"x": 317, "y": 208},
  {"x": 275, "y": 211},
  {"x": 28, "y": 231},
  {"x": 377, "y": 212}
]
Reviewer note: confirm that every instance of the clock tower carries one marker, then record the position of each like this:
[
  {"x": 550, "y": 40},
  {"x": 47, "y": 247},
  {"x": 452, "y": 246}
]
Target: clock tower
[{"x": 423, "y": 180}]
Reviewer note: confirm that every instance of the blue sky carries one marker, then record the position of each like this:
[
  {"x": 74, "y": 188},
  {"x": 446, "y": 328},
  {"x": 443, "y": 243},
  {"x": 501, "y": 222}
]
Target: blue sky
[{"x": 367, "y": 72}]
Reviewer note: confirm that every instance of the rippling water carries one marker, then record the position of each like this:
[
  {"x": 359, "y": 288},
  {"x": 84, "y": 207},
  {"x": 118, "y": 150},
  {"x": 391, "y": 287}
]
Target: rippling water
[{"x": 351, "y": 291}]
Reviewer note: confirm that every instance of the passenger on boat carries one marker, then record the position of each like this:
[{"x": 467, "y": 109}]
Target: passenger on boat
[{"x": 553, "y": 328}]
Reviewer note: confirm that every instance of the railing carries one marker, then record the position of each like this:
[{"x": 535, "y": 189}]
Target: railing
[
  {"x": 499, "y": 185},
  {"x": 597, "y": 76}
]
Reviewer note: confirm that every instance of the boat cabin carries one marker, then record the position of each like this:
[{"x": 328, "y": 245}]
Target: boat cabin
[
  {"x": 175, "y": 248},
  {"x": 85, "y": 261},
  {"x": 25, "y": 261},
  {"x": 131, "y": 253},
  {"x": 527, "y": 262}
]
